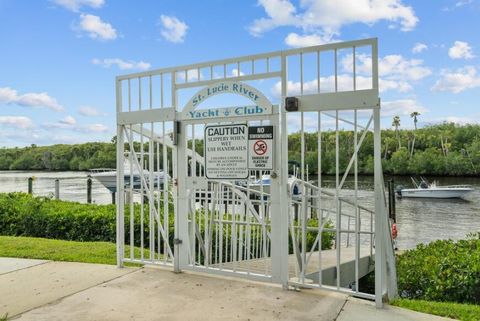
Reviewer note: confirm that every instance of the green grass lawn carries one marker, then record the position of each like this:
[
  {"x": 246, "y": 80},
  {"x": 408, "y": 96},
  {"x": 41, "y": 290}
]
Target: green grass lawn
[
  {"x": 59, "y": 250},
  {"x": 459, "y": 311}
]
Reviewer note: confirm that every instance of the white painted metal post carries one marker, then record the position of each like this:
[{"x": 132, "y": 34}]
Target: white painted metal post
[
  {"x": 181, "y": 231},
  {"x": 120, "y": 181},
  {"x": 278, "y": 230},
  {"x": 281, "y": 226},
  {"x": 379, "y": 217}
]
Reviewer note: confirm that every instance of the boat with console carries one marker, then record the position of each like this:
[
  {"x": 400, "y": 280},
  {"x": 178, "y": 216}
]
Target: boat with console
[
  {"x": 108, "y": 177},
  {"x": 424, "y": 189}
]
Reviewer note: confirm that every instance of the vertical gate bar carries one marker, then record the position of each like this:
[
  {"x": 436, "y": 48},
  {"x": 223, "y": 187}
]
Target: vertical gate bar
[
  {"x": 205, "y": 223},
  {"x": 151, "y": 186},
  {"x": 150, "y": 93},
  {"x": 220, "y": 225},
  {"x": 142, "y": 195},
  {"x": 234, "y": 236},
  {"x": 132, "y": 213},
  {"x": 166, "y": 225},
  {"x": 302, "y": 218},
  {"x": 132, "y": 209},
  {"x": 120, "y": 228},
  {"x": 161, "y": 92},
  {"x": 337, "y": 201},
  {"x": 225, "y": 216},
  {"x": 318, "y": 72},
  {"x": 319, "y": 195},
  {"x": 193, "y": 196},
  {"x": 151, "y": 183},
  {"x": 354, "y": 71},
  {"x": 336, "y": 71},
  {"x": 248, "y": 235},
  {"x": 140, "y": 94},
  {"x": 357, "y": 212},
  {"x": 301, "y": 74},
  {"x": 268, "y": 64}
]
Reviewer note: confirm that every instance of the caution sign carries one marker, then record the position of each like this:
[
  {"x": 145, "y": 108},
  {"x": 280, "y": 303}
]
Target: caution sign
[
  {"x": 260, "y": 147},
  {"x": 226, "y": 151}
]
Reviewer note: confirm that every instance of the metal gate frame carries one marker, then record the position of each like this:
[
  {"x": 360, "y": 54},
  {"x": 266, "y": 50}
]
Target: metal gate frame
[{"x": 191, "y": 76}]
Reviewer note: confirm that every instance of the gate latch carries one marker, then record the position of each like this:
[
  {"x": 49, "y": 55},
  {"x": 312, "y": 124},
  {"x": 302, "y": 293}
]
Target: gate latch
[{"x": 177, "y": 241}]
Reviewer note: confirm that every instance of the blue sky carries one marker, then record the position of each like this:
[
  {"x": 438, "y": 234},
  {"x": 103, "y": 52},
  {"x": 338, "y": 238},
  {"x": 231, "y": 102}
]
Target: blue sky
[{"x": 59, "y": 58}]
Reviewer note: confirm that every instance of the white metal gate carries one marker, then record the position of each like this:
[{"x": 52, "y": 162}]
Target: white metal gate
[{"x": 270, "y": 225}]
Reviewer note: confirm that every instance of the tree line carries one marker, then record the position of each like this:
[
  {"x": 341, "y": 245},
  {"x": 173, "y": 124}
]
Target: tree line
[{"x": 444, "y": 149}]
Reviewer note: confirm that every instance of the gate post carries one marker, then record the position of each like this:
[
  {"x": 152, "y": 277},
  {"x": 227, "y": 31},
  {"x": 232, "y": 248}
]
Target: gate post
[
  {"x": 181, "y": 240},
  {"x": 120, "y": 182},
  {"x": 280, "y": 198},
  {"x": 380, "y": 215}
]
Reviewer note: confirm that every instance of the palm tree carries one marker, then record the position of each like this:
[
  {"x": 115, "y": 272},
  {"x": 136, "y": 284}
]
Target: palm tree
[
  {"x": 415, "y": 115},
  {"x": 396, "y": 124}
]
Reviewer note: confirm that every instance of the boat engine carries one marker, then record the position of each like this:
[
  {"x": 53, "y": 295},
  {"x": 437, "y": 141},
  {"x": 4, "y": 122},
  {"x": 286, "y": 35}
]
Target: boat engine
[{"x": 398, "y": 190}]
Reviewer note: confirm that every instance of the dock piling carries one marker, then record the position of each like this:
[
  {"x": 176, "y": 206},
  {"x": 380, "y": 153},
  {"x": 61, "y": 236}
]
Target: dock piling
[
  {"x": 57, "y": 189},
  {"x": 89, "y": 190},
  {"x": 30, "y": 185}
]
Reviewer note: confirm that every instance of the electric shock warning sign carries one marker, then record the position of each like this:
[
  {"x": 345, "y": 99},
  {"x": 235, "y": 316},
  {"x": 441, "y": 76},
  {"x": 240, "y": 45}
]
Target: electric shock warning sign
[
  {"x": 260, "y": 147},
  {"x": 226, "y": 151}
]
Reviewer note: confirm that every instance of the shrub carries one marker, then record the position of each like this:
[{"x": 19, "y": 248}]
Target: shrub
[
  {"x": 24, "y": 215},
  {"x": 443, "y": 270}
]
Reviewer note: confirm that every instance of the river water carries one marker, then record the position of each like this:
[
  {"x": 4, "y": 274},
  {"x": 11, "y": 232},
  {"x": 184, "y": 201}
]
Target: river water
[{"x": 418, "y": 220}]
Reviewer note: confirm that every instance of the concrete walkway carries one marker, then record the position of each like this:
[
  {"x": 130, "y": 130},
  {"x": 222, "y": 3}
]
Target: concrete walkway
[{"x": 75, "y": 291}]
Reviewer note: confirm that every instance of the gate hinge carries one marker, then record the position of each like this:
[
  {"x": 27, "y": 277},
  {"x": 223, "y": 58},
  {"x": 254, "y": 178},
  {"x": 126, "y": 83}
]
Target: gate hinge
[{"x": 177, "y": 241}]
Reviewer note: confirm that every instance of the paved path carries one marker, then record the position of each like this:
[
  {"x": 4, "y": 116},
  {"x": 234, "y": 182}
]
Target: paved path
[
  {"x": 74, "y": 291},
  {"x": 8, "y": 264}
]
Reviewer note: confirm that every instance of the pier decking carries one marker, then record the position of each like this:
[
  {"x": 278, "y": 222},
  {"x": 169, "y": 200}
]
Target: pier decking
[{"x": 328, "y": 266}]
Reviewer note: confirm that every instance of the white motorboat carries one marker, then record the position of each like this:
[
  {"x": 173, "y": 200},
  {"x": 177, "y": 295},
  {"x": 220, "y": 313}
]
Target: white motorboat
[
  {"x": 108, "y": 177},
  {"x": 424, "y": 189},
  {"x": 263, "y": 185}
]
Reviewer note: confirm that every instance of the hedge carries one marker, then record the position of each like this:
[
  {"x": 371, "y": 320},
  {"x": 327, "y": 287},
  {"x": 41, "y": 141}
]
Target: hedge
[
  {"x": 24, "y": 215},
  {"x": 443, "y": 270}
]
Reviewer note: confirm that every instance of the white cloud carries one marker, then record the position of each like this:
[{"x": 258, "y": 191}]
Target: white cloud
[
  {"x": 68, "y": 120},
  {"x": 121, "y": 64},
  {"x": 90, "y": 111},
  {"x": 401, "y": 107},
  {"x": 96, "y": 28},
  {"x": 326, "y": 17},
  {"x": 173, "y": 29},
  {"x": 459, "y": 120},
  {"x": 461, "y": 50},
  {"x": 419, "y": 47},
  {"x": 395, "y": 71},
  {"x": 11, "y": 96},
  {"x": 70, "y": 123},
  {"x": 16, "y": 121},
  {"x": 75, "y": 5},
  {"x": 295, "y": 40},
  {"x": 458, "y": 81},
  {"x": 92, "y": 128},
  {"x": 397, "y": 67},
  {"x": 235, "y": 73}
]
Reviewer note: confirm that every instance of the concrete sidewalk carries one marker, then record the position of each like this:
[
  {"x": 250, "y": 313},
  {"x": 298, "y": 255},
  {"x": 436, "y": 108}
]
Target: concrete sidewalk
[{"x": 102, "y": 292}]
